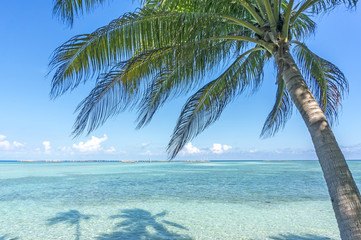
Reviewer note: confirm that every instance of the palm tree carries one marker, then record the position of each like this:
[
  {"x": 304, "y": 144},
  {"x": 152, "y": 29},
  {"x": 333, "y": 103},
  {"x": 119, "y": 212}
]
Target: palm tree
[{"x": 169, "y": 47}]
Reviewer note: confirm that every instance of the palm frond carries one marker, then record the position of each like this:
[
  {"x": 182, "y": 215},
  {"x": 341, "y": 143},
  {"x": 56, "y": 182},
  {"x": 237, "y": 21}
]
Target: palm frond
[
  {"x": 191, "y": 64},
  {"x": 226, "y": 7},
  {"x": 287, "y": 10},
  {"x": 269, "y": 13},
  {"x": 127, "y": 79},
  {"x": 67, "y": 10},
  {"x": 326, "y": 81},
  {"x": 351, "y": 4},
  {"x": 316, "y": 7},
  {"x": 324, "y": 6},
  {"x": 241, "y": 9},
  {"x": 302, "y": 27},
  {"x": 110, "y": 96},
  {"x": 206, "y": 105},
  {"x": 116, "y": 90},
  {"x": 281, "y": 112},
  {"x": 86, "y": 55}
]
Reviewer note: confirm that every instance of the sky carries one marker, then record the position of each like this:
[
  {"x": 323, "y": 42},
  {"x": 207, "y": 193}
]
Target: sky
[{"x": 33, "y": 127}]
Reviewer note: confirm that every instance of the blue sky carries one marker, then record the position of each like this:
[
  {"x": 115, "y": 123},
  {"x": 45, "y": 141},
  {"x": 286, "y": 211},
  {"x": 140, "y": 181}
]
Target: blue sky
[{"x": 34, "y": 127}]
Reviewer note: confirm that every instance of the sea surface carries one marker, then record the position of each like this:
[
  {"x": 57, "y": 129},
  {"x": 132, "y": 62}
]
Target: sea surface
[{"x": 279, "y": 200}]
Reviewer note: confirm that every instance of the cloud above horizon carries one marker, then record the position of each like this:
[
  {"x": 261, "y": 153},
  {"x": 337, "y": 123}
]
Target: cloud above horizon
[
  {"x": 219, "y": 148},
  {"x": 47, "y": 147},
  {"x": 93, "y": 145},
  {"x": 6, "y": 145},
  {"x": 146, "y": 144},
  {"x": 190, "y": 149},
  {"x": 110, "y": 150}
]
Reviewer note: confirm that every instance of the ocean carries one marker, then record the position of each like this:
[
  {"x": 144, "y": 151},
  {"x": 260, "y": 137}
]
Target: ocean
[{"x": 279, "y": 200}]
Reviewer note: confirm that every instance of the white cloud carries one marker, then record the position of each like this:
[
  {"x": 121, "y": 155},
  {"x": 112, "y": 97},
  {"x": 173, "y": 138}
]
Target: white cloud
[
  {"x": 190, "y": 149},
  {"x": 255, "y": 150},
  {"x": 351, "y": 149},
  {"x": 17, "y": 144},
  {"x": 146, "y": 153},
  {"x": 219, "y": 148},
  {"x": 110, "y": 150},
  {"x": 226, "y": 147},
  {"x": 47, "y": 147},
  {"x": 2, "y": 137},
  {"x": 144, "y": 145},
  {"x": 92, "y": 145},
  {"x": 6, "y": 145},
  {"x": 66, "y": 150}
]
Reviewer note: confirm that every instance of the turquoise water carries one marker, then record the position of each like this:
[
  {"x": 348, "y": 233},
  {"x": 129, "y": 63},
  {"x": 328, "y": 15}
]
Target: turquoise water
[{"x": 216, "y": 200}]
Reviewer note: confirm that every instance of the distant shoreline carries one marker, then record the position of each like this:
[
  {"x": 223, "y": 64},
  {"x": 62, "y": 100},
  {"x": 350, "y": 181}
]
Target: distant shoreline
[{"x": 147, "y": 161}]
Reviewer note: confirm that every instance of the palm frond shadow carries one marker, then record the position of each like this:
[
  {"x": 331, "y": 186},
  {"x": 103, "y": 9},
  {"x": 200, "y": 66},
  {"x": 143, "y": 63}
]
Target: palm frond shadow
[
  {"x": 299, "y": 237},
  {"x": 7, "y": 237},
  {"x": 72, "y": 217},
  {"x": 141, "y": 224}
]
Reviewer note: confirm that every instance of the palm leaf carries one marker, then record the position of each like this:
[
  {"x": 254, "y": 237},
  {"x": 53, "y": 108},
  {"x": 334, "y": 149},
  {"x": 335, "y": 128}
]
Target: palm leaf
[
  {"x": 326, "y": 81},
  {"x": 316, "y": 7},
  {"x": 129, "y": 78},
  {"x": 115, "y": 91},
  {"x": 302, "y": 27},
  {"x": 110, "y": 96},
  {"x": 86, "y": 55},
  {"x": 226, "y": 7},
  {"x": 67, "y": 10},
  {"x": 206, "y": 105},
  {"x": 324, "y": 6},
  {"x": 83, "y": 56},
  {"x": 188, "y": 69},
  {"x": 281, "y": 112}
]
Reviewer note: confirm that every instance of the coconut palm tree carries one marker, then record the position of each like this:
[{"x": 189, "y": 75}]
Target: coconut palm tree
[{"x": 170, "y": 47}]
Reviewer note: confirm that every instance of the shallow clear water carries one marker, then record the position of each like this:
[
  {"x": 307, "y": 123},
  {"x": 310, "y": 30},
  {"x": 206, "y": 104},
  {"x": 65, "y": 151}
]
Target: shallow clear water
[{"x": 216, "y": 200}]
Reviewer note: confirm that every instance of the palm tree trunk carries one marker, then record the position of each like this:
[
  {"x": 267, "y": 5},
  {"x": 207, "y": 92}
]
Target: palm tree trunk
[{"x": 342, "y": 188}]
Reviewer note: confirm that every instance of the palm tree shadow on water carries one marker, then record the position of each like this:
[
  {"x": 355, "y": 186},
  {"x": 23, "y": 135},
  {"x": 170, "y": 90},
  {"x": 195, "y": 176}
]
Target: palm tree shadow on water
[
  {"x": 7, "y": 237},
  {"x": 72, "y": 217},
  {"x": 299, "y": 237},
  {"x": 140, "y": 224}
]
